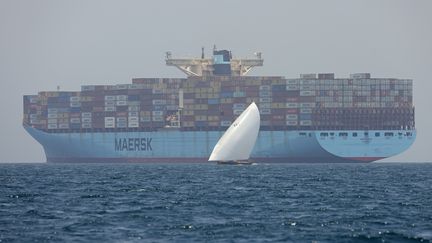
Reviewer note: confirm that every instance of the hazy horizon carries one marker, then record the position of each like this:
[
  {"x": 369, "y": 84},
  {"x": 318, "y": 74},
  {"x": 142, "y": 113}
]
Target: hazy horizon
[{"x": 45, "y": 44}]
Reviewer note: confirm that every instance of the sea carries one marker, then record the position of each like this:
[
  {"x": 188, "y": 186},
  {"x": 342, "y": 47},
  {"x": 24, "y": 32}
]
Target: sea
[{"x": 181, "y": 202}]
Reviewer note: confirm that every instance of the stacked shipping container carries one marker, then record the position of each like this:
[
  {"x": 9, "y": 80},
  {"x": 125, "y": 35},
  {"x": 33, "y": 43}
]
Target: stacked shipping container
[{"x": 211, "y": 103}]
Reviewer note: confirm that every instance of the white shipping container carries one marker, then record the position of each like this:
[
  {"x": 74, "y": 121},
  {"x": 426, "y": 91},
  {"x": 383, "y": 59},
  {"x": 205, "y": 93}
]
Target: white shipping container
[
  {"x": 52, "y": 126},
  {"x": 75, "y": 120},
  {"x": 305, "y": 110},
  {"x": 110, "y": 98},
  {"x": 75, "y": 104},
  {"x": 133, "y": 124},
  {"x": 308, "y": 76},
  {"x": 133, "y": 113},
  {"x": 122, "y": 97},
  {"x": 121, "y": 86},
  {"x": 239, "y": 106},
  {"x": 52, "y": 115},
  {"x": 237, "y": 112},
  {"x": 264, "y": 105},
  {"x": 74, "y": 99},
  {"x": 291, "y": 123},
  {"x": 264, "y": 93},
  {"x": 292, "y": 81},
  {"x": 306, "y": 123},
  {"x": 292, "y": 87},
  {"x": 110, "y": 103},
  {"x": 225, "y": 123},
  {"x": 307, "y": 105},
  {"x": 121, "y": 103},
  {"x": 109, "y": 119},
  {"x": 133, "y": 119},
  {"x": 110, "y": 125},
  {"x": 63, "y": 126},
  {"x": 159, "y": 102},
  {"x": 307, "y": 93},
  {"x": 121, "y": 119},
  {"x": 265, "y": 87},
  {"x": 86, "y": 114},
  {"x": 265, "y": 99},
  {"x": 307, "y": 87},
  {"x": 291, "y": 117},
  {"x": 307, "y": 82},
  {"x": 86, "y": 120},
  {"x": 110, "y": 108},
  {"x": 292, "y": 105},
  {"x": 265, "y": 111},
  {"x": 86, "y": 125},
  {"x": 145, "y": 119},
  {"x": 87, "y": 87},
  {"x": 34, "y": 121}
]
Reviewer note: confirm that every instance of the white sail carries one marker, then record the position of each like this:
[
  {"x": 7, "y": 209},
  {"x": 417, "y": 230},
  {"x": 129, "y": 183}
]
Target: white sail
[{"x": 238, "y": 141}]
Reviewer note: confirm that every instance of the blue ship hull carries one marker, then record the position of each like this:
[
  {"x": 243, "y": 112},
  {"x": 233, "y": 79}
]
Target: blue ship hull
[{"x": 195, "y": 146}]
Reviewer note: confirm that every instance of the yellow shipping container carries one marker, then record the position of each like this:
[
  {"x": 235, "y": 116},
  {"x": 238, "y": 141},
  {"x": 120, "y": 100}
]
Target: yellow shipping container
[
  {"x": 86, "y": 98},
  {"x": 278, "y": 105}
]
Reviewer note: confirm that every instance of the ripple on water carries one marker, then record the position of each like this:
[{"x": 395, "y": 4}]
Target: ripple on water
[{"x": 205, "y": 202}]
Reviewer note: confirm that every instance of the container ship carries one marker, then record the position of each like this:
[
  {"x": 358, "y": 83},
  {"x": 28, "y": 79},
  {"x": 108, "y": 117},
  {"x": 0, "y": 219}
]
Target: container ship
[{"x": 313, "y": 118}]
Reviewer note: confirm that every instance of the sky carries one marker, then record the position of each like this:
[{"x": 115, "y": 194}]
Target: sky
[{"x": 50, "y": 43}]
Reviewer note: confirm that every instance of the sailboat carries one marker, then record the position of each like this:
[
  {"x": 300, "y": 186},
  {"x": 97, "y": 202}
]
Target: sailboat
[{"x": 236, "y": 144}]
